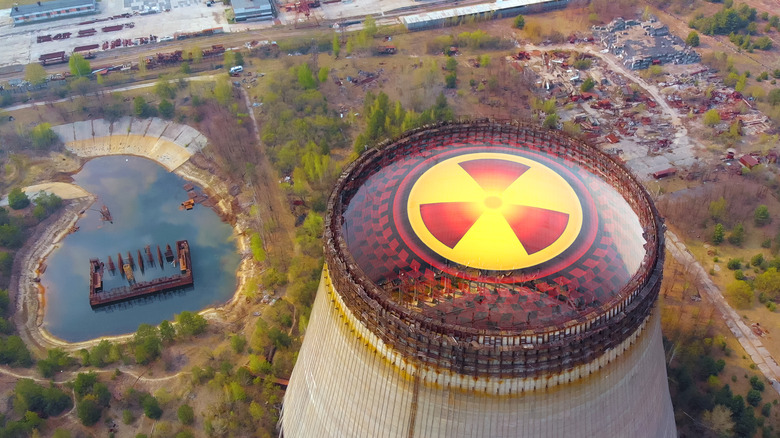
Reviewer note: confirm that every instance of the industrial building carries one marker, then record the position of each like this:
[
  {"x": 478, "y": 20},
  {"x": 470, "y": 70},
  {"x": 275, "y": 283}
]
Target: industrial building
[
  {"x": 485, "y": 279},
  {"x": 52, "y": 10},
  {"x": 252, "y": 10},
  {"x": 498, "y": 9},
  {"x": 642, "y": 44}
]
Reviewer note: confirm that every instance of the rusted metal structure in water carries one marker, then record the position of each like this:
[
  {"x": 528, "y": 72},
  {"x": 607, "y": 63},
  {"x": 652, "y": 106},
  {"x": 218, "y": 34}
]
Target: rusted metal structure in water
[{"x": 99, "y": 297}]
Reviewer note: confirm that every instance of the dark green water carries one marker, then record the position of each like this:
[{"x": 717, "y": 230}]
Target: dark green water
[{"x": 144, "y": 201}]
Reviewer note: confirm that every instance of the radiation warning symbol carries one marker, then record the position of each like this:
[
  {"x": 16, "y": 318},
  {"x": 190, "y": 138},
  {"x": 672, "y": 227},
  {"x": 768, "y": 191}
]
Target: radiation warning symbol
[{"x": 494, "y": 211}]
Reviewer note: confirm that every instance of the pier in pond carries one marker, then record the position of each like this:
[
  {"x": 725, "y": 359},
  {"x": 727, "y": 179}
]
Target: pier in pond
[{"x": 99, "y": 296}]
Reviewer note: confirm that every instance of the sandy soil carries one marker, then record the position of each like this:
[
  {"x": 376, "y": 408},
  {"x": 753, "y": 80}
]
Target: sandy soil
[
  {"x": 28, "y": 295},
  {"x": 63, "y": 190}
]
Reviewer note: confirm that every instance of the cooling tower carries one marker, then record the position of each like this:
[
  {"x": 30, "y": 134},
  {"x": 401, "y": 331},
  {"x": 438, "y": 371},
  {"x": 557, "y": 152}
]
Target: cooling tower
[{"x": 485, "y": 279}]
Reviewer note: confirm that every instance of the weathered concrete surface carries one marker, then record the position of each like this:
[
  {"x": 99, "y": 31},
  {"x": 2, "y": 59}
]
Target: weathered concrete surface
[
  {"x": 168, "y": 143},
  {"x": 342, "y": 386}
]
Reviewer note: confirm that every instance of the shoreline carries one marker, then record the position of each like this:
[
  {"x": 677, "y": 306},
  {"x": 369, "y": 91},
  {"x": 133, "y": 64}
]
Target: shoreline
[{"x": 28, "y": 296}]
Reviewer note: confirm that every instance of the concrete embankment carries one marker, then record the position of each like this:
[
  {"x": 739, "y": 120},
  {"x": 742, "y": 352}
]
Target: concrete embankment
[{"x": 166, "y": 142}]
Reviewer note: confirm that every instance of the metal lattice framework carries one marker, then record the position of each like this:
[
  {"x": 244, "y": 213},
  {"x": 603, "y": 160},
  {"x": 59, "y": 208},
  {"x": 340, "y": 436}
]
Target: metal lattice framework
[{"x": 483, "y": 352}]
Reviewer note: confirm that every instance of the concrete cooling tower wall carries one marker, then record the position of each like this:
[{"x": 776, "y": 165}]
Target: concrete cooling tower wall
[
  {"x": 343, "y": 387},
  {"x": 485, "y": 279}
]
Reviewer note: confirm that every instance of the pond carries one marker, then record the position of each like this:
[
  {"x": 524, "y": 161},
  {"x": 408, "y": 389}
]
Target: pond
[{"x": 144, "y": 201}]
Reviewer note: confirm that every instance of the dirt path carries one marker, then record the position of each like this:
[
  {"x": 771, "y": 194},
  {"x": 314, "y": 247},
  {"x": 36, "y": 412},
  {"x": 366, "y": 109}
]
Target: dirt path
[
  {"x": 268, "y": 196},
  {"x": 749, "y": 341},
  {"x": 67, "y": 376}
]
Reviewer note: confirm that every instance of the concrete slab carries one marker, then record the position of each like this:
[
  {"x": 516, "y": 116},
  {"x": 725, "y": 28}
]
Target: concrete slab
[
  {"x": 101, "y": 128},
  {"x": 644, "y": 167},
  {"x": 64, "y": 132},
  {"x": 117, "y": 140},
  {"x": 139, "y": 126},
  {"x": 187, "y": 135},
  {"x": 121, "y": 126},
  {"x": 82, "y": 130},
  {"x": 156, "y": 128},
  {"x": 198, "y": 142},
  {"x": 172, "y": 131}
]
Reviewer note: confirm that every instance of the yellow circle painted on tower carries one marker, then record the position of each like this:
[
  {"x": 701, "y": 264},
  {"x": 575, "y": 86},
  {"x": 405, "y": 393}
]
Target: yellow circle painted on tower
[{"x": 494, "y": 211}]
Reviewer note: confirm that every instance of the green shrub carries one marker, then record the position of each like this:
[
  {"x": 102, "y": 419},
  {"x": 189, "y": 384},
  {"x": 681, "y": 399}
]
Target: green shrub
[
  {"x": 734, "y": 264},
  {"x": 753, "y": 397},
  {"x": 757, "y": 383},
  {"x": 519, "y": 22},
  {"x": 17, "y": 199}
]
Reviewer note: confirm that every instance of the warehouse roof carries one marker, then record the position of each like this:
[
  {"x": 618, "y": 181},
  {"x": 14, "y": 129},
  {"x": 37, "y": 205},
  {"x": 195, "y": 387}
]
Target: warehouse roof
[{"x": 50, "y": 6}]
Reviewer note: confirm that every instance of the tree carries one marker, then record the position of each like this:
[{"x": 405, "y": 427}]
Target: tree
[
  {"x": 43, "y": 136},
  {"x": 369, "y": 27},
  {"x": 693, "y": 39},
  {"x": 306, "y": 77},
  {"x": 519, "y": 22},
  {"x": 336, "y": 45},
  {"x": 763, "y": 43},
  {"x": 17, "y": 199},
  {"x": 718, "y": 234},
  {"x": 451, "y": 65},
  {"x": 717, "y": 208},
  {"x": 140, "y": 107},
  {"x": 451, "y": 80},
  {"x": 6, "y": 263},
  {"x": 587, "y": 85},
  {"x": 14, "y": 352},
  {"x": 237, "y": 343},
  {"x": 229, "y": 59},
  {"x": 737, "y": 235},
  {"x": 757, "y": 384},
  {"x": 719, "y": 420},
  {"x": 56, "y": 360},
  {"x": 101, "y": 354},
  {"x": 753, "y": 397},
  {"x": 79, "y": 66},
  {"x": 164, "y": 89},
  {"x": 44, "y": 401},
  {"x": 167, "y": 332},
  {"x": 147, "y": 344},
  {"x": 551, "y": 121},
  {"x": 186, "y": 414},
  {"x": 191, "y": 324},
  {"x": 84, "y": 383},
  {"x": 740, "y": 294},
  {"x": 151, "y": 407},
  {"x": 222, "y": 91},
  {"x": 256, "y": 245},
  {"x": 35, "y": 74},
  {"x": 774, "y": 97},
  {"x": 711, "y": 117},
  {"x": 768, "y": 283},
  {"x": 166, "y": 109},
  {"x": 761, "y": 216},
  {"x": 89, "y": 411},
  {"x": 322, "y": 75}
]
